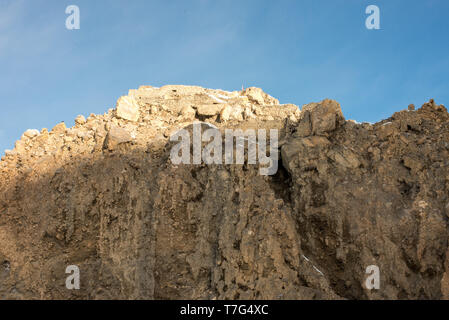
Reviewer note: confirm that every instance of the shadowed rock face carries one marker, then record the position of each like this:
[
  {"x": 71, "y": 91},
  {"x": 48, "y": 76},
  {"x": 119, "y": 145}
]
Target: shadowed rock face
[{"x": 104, "y": 196}]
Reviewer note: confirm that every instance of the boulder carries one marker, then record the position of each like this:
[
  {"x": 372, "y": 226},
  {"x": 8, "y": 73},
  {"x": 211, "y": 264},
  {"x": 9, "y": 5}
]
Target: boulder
[
  {"x": 325, "y": 116},
  {"x": 59, "y": 128},
  {"x": 413, "y": 163},
  {"x": 256, "y": 95},
  {"x": 80, "y": 120},
  {"x": 209, "y": 110},
  {"x": 115, "y": 137},
  {"x": 304, "y": 127},
  {"x": 231, "y": 113},
  {"x": 10, "y": 153},
  {"x": 31, "y": 133},
  {"x": 187, "y": 113},
  {"x": 345, "y": 159},
  {"x": 387, "y": 129},
  {"x": 127, "y": 108}
]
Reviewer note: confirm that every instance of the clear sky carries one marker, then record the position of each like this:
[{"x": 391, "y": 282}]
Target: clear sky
[{"x": 298, "y": 51}]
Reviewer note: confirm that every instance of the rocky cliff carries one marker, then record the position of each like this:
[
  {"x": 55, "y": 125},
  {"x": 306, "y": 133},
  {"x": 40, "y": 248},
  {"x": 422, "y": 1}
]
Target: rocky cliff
[{"x": 105, "y": 196}]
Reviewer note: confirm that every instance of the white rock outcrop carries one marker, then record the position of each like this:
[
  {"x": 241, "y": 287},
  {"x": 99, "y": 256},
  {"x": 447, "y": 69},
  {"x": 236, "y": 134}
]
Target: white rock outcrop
[
  {"x": 127, "y": 108},
  {"x": 31, "y": 133}
]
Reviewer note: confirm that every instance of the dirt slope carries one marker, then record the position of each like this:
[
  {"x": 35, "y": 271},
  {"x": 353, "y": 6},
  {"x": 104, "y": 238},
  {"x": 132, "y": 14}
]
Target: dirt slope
[{"x": 106, "y": 197}]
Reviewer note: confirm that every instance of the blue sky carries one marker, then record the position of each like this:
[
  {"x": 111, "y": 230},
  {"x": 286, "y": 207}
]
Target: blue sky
[{"x": 298, "y": 51}]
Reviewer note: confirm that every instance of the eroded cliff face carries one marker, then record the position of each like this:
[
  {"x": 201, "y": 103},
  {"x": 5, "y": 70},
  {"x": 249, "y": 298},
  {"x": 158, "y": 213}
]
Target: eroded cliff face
[{"x": 105, "y": 196}]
